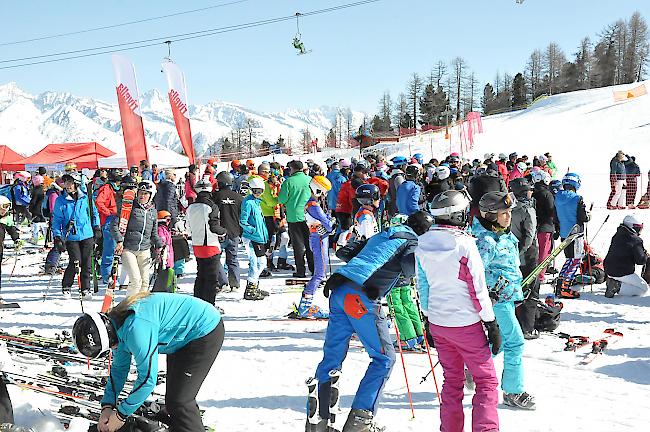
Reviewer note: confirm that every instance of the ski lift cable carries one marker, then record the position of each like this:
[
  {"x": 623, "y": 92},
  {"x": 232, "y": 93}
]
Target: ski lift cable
[
  {"x": 111, "y": 26},
  {"x": 176, "y": 38}
]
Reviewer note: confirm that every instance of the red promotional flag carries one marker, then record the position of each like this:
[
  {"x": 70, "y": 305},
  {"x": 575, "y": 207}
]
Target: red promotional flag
[
  {"x": 128, "y": 99},
  {"x": 178, "y": 100}
]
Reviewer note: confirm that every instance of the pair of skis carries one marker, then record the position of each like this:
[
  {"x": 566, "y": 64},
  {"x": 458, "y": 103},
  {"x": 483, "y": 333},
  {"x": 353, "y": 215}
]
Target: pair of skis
[
  {"x": 313, "y": 416},
  {"x": 598, "y": 346}
]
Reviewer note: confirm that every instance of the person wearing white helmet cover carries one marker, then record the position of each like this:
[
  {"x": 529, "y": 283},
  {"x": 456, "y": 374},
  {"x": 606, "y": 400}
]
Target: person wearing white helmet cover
[
  {"x": 255, "y": 237},
  {"x": 625, "y": 251},
  {"x": 141, "y": 234},
  {"x": 454, "y": 297}
]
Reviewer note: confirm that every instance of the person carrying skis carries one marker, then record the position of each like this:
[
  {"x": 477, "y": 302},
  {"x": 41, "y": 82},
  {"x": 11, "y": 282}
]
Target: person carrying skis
[
  {"x": 74, "y": 231},
  {"x": 625, "y": 251},
  {"x": 106, "y": 203},
  {"x": 455, "y": 300},
  {"x": 188, "y": 330},
  {"x": 255, "y": 237},
  {"x": 500, "y": 254},
  {"x": 141, "y": 234},
  {"x": 356, "y": 292},
  {"x": 320, "y": 226},
  {"x": 410, "y": 196},
  {"x": 570, "y": 210},
  {"x": 203, "y": 221},
  {"x": 524, "y": 226},
  {"x": 229, "y": 203}
]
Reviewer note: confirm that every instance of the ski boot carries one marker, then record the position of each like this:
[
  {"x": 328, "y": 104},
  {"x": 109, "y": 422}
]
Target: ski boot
[
  {"x": 613, "y": 287},
  {"x": 521, "y": 400},
  {"x": 283, "y": 265},
  {"x": 410, "y": 345},
  {"x": 307, "y": 310},
  {"x": 66, "y": 292},
  {"x": 534, "y": 334},
  {"x": 266, "y": 273},
  {"x": 270, "y": 265},
  {"x": 360, "y": 420},
  {"x": 86, "y": 294},
  {"x": 568, "y": 293},
  {"x": 252, "y": 293}
]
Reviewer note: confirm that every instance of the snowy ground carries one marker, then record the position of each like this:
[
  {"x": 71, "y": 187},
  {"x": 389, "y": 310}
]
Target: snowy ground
[{"x": 258, "y": 378}]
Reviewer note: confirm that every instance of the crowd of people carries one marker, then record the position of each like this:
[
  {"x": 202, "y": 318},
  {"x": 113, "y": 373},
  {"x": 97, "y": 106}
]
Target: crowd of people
[{"x": 396, "y": 223}]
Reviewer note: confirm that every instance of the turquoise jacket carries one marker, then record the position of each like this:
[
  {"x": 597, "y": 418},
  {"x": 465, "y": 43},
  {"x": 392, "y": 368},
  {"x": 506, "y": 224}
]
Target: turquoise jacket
[
  {"x": 252, "y": 221},
  {"x": 160, "y": 324},
  {"x": 67, "y": 209},
  {"x": 500, "y": 255}
]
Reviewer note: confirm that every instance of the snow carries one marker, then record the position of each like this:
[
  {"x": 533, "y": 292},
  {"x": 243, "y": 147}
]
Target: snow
[{"x": 257, "y": 381}]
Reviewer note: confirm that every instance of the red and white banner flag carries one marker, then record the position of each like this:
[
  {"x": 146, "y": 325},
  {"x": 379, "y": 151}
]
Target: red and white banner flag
[
  {"x": 128, "y": 99},
  {"x": 178, "y": 100}
]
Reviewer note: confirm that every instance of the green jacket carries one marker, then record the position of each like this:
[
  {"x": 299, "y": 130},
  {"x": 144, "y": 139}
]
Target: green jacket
[
  {"x": 553, "y": 168},
  {"x": 269, "y": 201},
  {"x": 294, "y": 194}
]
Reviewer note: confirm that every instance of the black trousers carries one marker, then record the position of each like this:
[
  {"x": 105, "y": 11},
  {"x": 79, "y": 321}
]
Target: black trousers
[
  {"x": 526, "y": 311},
  {"x": 299, "y": 236},
  {"x": 79, "y": 251},
  {"x": 344, "y": 220},
  {"x": 207, "y": 278},
  {"x": 6, "y": 410},
  {"x": 186, "y": 371}
]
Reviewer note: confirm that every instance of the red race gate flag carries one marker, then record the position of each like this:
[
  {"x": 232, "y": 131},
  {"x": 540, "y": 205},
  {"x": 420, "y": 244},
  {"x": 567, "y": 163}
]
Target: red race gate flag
[
  {"x": 128, "y": 99},
  {"x": 178, "y": 100}
]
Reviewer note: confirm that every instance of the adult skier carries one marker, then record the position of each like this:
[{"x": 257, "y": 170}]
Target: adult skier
[
  {"x": 106, "y": 202},
  {"x": 394, "y": 182},
  {"x": 500, "y": 254},
  {"x": 255, "y": 237},
  {"x": 617, "y": 181},
  {"x": 229, "y": 203},
  {"x": 545, "y": 214},
  {"x": 625, "y": 251},
  {"x": 523, "y": 226},
  {"x": 480, "y": 184},
  {"x": 207, "y": 232},
  {"x": 438, "y": 183},
  {"x": 188, "y": 330},
  {"x": 570, "y": 210},
  {"x": 320, "y": 226},
  {"x": 410, "y": 196},
  {"x": 355, "y": 307},
  {"x": 75, "y": 231},
  {"x": 454, "y": 297}
]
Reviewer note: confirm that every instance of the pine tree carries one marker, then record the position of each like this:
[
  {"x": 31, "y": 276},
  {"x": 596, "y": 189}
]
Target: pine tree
[
  {"x": 401, "y": 108},
  {"x": 427, "y": 113},
  {"x": 487, "y": 102},
  {"x": 377, "y": 124},
  {"x": 636, "y": 52},
  {"x": 519, "y": 91},
  {"x": 414, "y": 89}
]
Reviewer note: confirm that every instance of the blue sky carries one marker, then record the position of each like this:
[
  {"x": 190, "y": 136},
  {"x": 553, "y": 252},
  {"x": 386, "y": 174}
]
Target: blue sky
[{"x": 357, "y": 53}]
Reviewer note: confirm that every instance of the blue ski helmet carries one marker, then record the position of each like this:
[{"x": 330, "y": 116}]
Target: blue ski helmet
[
  {"x": 418, "y": 157},
  {"x": 399, "y": 161},
  {"x": 571, "y": 179},
  {"x": 555, "y": 186}
]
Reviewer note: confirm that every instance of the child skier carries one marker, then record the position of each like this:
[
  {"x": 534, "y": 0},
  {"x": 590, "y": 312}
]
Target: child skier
[
  {"x": 255, "y": 237},
  {"x": 355, "y": 307},
  {"x": 320, "y": 226},
  {"x": 570, "y": 210},
  {"x": 164, "y": 219},
  {"x": 625, "y": 251},
  {"x": 500, "y": 254},
  {"x": 365, "y": 222},
  {"x": 455, "y": 299}
]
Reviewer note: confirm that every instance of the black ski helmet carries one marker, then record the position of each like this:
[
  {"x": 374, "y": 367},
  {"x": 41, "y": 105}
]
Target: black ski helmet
[
  {"x": 224, "y": 178},
  {"x": 450, "y": 208},
  {"x": 94, "y": 334},
  {"x": 520, "y": 186},
  {"x": 366, "y": 194},
  {"x": 128, "y": 182},
  {"x": 412, "y": 172},
  {"x": 114, "y": 175},
  {"x": 420, "y": 222},
  {"x": 492, "y": 202}
]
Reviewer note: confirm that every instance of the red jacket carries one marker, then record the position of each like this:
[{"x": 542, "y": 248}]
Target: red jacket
[
  {"x": 344, "y": 200},
  {"x": 503, "y": 170},
  {"x": 380, "y": 183},
  {"x": 105, "y": 202}
]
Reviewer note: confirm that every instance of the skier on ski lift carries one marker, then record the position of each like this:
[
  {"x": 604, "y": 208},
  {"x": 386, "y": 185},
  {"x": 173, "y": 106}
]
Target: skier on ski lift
[{"x": 299, "y": 45}]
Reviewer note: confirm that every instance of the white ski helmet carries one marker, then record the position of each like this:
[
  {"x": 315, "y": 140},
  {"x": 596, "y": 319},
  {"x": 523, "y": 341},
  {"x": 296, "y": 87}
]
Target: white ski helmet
[
  {"x": 442, "y": 172},
  {"x": 541, "y": 176},
  {"x": 633, "y": 222},
  {"x": 450, "y": 207},
  {"x": 256, "y": 183},
  {"x": 203, "y": 185},
  {"x": 148, "y": 186},
  {"x": 5, "y": 202}
]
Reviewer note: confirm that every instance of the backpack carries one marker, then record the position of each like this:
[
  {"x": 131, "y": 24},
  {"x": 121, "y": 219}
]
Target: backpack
[
  {"x": 547, "y": 318},
  {"x": 350, "y": 249}
]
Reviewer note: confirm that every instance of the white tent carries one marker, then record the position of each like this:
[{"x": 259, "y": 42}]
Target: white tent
[{"x": 159, "y": 155}]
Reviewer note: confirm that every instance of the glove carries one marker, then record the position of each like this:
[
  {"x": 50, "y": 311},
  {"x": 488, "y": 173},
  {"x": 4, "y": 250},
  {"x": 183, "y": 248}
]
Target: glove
[
  {"x": 556, "y": 235},
  {"x": 19, "y": 243},
  {"x": 59, "y": 244},
  {"x": 97, "y": 233},
  {"x": 428, "y": 334},
  {"x": 334, "y": 281},
  {"x": 494, "y": 335},
  {"x": 222, "y": 237}
]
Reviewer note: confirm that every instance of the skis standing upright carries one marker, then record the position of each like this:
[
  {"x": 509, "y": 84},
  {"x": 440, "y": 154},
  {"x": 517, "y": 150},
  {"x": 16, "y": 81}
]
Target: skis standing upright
[{"x": 125, "y": 213}]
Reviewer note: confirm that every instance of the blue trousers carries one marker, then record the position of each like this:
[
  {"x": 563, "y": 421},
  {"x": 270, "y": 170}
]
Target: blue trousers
[
  {"x": 108, "y": 249},
  {"x": 229, "y": 248},
  {"x": 351, "y": 311},
  {"x": 319, "y": 247},
  {"x": 512, "y": 380}
]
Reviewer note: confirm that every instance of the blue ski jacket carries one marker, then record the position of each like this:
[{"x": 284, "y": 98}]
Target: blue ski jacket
[
  {"x": 566, "y": 208},
  {"x": 408, "y": 197},
  {"x": 385, "y": 257},
  {"x": 337, "y": 179},
  {"x": 21, "y": 193},
  {"x": 500, "y": 255},
  {"x": 161, "y": 323},
  {"x": 67, "y": 209},
  {"x": 252, "y": 221}
]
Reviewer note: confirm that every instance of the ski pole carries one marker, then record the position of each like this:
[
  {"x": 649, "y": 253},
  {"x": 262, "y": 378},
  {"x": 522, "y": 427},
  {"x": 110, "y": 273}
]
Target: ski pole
[
  {"x": 424, "y": 378},
  {"x": 401, "y": 353},
  {"x": 77, "y": 268},
  {"x": 601, "y": 227},
  {"x": 426, "y": 344}
]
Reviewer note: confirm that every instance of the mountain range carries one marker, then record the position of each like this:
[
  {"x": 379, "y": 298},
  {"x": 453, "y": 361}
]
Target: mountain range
[{"x": 30, "y": 122}]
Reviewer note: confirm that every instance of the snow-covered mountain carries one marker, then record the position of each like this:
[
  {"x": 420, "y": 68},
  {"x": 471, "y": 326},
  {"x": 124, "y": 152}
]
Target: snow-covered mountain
[{"x": 29, "y": 122}]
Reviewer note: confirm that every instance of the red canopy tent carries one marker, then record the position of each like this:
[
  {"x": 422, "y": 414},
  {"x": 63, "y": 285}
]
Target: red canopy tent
[
  {"x": 7, "y": 156},
  {"x": 84, "y": 155}
]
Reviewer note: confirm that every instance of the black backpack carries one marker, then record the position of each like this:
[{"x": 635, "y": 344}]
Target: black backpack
[{"x": 547, "y": 318}]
